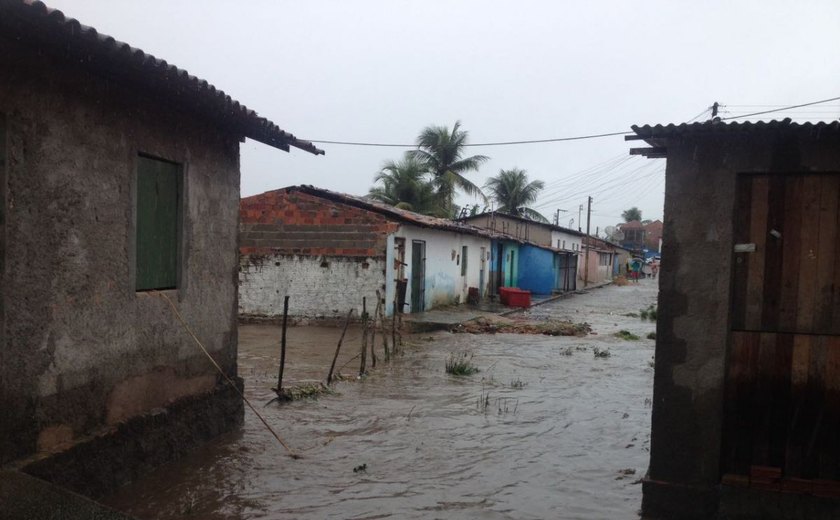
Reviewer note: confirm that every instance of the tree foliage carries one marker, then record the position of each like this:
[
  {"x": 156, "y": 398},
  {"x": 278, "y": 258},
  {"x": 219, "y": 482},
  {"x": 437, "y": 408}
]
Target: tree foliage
[
  {"x": 631, "y": 214},
  {"x": 404, "y": 184},
  {"x": 513, "y": 193},
  {"x": 442, "y": 151}
]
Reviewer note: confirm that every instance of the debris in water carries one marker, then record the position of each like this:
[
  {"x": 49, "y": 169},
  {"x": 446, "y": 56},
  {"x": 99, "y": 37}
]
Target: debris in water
[
  {"x": 362, "y": 468},
  {"x": 601, "y": 353},
  {"x": 500, "y": 324}
]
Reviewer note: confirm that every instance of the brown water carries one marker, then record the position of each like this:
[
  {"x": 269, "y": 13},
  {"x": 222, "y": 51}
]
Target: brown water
[{"x": 553, "y": 448}]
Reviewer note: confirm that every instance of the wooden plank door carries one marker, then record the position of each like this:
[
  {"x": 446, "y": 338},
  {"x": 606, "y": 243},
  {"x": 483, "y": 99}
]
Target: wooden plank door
[{"x": 782, "y": 409}]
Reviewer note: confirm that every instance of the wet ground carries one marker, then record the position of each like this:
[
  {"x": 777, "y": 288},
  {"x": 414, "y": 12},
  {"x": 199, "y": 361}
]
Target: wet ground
[{"x": 544, "y": 430}]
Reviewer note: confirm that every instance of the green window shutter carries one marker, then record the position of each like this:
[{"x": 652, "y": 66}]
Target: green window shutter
[
  {"x": 463, "y": 260},
  {"x": 158, "y": 220}
]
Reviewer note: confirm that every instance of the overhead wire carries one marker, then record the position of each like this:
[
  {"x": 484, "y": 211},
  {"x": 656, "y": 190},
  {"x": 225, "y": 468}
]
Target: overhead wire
[
  {"x": 473, "y": 145},
  {"x": 762, "y": 112}
]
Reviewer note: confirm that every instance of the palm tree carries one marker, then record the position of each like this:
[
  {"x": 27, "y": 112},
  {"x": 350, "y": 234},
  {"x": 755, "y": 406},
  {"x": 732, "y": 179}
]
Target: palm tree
[
  {"x": 404, "y": 185},
  {"x": 513, "y": 193},
  {"x": 442, "y": 150}
]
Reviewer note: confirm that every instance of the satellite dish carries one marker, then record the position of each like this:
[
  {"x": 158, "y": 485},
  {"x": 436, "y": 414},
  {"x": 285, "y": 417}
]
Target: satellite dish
[{"x": 613, "y": 233}]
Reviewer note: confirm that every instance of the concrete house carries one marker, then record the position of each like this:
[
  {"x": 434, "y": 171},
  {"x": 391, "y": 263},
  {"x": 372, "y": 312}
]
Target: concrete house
[
  {"x": 549, "y": 260},
  {"x": 746, "y": 404},
  {"x": 119, "y": 180},
  {"x": 328, "y": 250}
]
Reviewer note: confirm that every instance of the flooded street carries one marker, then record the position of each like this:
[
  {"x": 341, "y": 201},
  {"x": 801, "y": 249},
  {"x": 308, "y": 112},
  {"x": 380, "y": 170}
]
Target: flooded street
[{"x": 544, "y": 430}]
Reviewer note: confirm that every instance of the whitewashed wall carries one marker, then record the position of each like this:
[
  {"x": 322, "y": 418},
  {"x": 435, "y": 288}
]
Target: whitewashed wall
[
  {"x": 444, "y": 283},
  {"x": 318, "y": 286},
  {"x": 559, "y": 238}
]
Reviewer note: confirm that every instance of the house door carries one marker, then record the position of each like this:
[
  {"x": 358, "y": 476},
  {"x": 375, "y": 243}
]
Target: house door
[
  {"x": 418, "y": 276},
  {"x": 782, "y": 400},
  {"x": 399, "y": 273},
  {"x": 482, "y": 266},
  {"x": 511, "y": 270},
  {"x": 500, "y": 266}
]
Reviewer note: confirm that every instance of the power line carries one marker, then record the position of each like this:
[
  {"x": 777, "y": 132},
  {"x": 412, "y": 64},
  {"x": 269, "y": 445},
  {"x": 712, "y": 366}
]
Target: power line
[
  {"x": 497, "y": 143},
  {"x": 781, "y": 109}
]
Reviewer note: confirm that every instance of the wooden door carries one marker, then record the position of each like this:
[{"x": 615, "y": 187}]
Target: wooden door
[
  {"x": 782, "y": 409},
  {"x": 418, "y": 276}
]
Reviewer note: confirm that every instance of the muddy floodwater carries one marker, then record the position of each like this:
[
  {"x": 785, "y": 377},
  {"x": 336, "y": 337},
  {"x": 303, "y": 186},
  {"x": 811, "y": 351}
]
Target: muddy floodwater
[{"x": 544, "y": 430}]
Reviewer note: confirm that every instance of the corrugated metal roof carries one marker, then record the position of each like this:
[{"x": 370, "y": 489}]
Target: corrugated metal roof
[
  {"x": 717, "y": 126},
  {"x": 35, "y": 24}
]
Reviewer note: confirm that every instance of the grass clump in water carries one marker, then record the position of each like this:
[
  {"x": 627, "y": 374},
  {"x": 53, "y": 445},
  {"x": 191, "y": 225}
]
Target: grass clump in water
[
  {"x": 649, "y": 313},
  {"x": 460, "y": 364},
  {"x": 651, "y": 335},
  {"x": 517, "y": 384},
  {"x": 601, "y": 353},
  {"x": 305, "y": 391},
  {"x": 626, "y": 335}
]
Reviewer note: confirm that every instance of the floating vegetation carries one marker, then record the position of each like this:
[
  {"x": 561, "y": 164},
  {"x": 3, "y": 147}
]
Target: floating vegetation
[
  {"x": 626, "y": 335},
  {"x": 651, "y": 335},
  {"x": 631, "y": 315},
  {"x": 460, "y": 364},
  {"x": 304, "y": 391},
  {"x": 649, "y": 313},
  {"x": 361, "y": 468},
  {"x": 566, "y": 351},
  {"x": 517, "y": 384},
  {"x": 601, "y": 353}
]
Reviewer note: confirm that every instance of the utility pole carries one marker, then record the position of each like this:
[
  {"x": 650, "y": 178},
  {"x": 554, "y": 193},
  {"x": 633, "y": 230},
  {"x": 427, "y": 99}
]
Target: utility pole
[
  {"x": 715, "y": 107},
  {"x": 589, "y": 244},
  {"x": 557, "y": 216},
  {"x": 580, "y": 210}
]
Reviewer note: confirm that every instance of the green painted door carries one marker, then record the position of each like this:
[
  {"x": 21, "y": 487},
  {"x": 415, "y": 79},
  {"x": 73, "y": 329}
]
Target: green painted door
[{"x": 158, "y": 219}]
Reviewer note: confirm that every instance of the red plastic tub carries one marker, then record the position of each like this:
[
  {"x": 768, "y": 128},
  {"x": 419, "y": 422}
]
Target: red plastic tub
[
  {"x": 519, "y": 298},
  {"x": 513, "y": 297}
]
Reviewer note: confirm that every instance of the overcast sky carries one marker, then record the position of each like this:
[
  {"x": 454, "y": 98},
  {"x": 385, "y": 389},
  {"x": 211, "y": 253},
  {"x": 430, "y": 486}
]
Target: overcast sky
[{"x": 379, "y": 71}]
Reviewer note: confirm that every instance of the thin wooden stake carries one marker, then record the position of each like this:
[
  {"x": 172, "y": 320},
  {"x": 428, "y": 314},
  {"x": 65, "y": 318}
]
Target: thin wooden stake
[
  {"x": 383, "y": 324},
  {"x": 363, "y": 356},
  {"x": 394, "y": 329},
  {"x": 373, "y": 335},
  {"x": 279, "y": 389},
  {"x": 338, "y": 347}
]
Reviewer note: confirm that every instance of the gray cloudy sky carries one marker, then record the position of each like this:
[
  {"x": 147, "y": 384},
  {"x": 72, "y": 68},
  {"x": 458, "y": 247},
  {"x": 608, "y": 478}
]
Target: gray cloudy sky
[{"x": 382, "y": 70}]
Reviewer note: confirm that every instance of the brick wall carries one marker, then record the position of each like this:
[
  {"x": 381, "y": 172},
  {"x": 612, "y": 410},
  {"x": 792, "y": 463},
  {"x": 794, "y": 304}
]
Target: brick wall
[
  {"x": 289, "y": 222},
  {"x": 319, "y": 287}
]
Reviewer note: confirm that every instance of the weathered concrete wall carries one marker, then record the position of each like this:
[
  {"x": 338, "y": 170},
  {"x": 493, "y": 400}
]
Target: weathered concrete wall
[
  {"x": 320, "y": 287},
  {"x": 444, "y": 283},
  {"x": 521, "y": 229},
  {"x": 566, "y": 241},
  {"x": 82, "y": 351},
  {"x": 694, "y": 302}
]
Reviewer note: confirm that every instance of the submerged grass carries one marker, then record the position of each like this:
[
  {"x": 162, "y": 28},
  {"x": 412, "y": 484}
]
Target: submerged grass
[
  {"x": 305, "y": 391},
  {"x": 649, "y": 313},
  {"x": 626, "y": 335},
  {"x": 460, "y": 364},
  {"x": 601, "y": 353}
]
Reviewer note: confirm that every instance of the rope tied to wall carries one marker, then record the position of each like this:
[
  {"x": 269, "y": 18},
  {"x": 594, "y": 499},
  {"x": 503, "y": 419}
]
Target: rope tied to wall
[{"x": 292, "y": 453}]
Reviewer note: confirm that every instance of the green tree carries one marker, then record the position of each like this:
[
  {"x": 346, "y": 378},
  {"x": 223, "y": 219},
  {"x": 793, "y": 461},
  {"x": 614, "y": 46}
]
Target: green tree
[
  {"x": 442, "y": 151},
  {"x": 403, "y": 184},
  {"x": 631, "y": 214},
  {"x": 513, "y": 193}
]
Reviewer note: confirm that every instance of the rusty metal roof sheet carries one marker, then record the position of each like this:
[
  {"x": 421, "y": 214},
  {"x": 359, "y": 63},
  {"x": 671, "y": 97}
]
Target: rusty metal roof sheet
[
  {"x": 717, "y": 127},
  {"x": 34, "y": 24}
]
